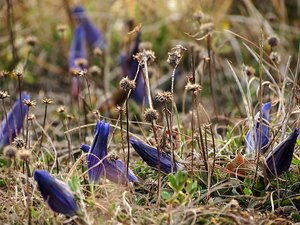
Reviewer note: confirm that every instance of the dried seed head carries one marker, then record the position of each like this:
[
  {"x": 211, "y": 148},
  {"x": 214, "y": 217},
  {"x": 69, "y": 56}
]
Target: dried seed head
[
  {"x": 17, "y": 73},
  {"x": 98, "y": 52},
  {"x": 61, "y": 28},
  {"x": 126, "y": 84},
  {"x": 19, "y": 143},
  {"x": 81, "y": 62},
  {"x": 120, "y": 109},
  {"x": 3, "y": 94},
  {"x": 275, "y": 57},
  {"x": 193, "y": 87},
  {"x": 60, "y": 109},
  {"x": 70, "y": 116},
  {"x": 150, "y": 115},
  {"x": 164, "y": 97},
  {"x": 94, "y": 71},
  {"x": 248, "y": 70},
  {"x": 29, "y": 103},
  {"x": 175, "y": 55},
  {"x": 77, "y": 73},
  {"x": 113, "y": 157},
  {"x": 31, "y": 40},
  {"x": 145, "y": 46},
  {"x": 206, "y": 28},
  {"x": 24, "y": 155},
  {"x": 46, "y": 100},
  {"x": 31, "y": 117},
  {"x": 4, "y": 73},
  {"x": 273, "y": 41},
  {"x": 145, "y": 56},
  {"x": 10, "y": 151}
]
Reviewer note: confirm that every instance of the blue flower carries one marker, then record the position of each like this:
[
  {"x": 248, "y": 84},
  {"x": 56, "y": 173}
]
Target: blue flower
[
  {"x": 113, "y": 169},
  {"x": 252, "y": 137},
  {"x": 77, "y": 50},
  {"x": 15, "y": 120},
  {"x": 97, "y": 151},
  {"x": 55, "y": 193},
  {"x": 283, "y": 154},
  {"x": 149, "y": 155},
  {"x": 92, "y": 34},
  {"x": 129, "y": 68}
]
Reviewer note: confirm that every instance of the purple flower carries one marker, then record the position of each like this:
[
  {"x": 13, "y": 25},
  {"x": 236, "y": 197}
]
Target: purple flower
[
  {"x": 55, "y": 193},
  {"x": 252, "y": 137},
  {"x": 129, "y": 68},
  {"x": 77, "y": 50},
  {"x": 113, "y": 169},
  {"x": 92, "y": 34},
  {"x": 149, "y": 155},
  {"x": 97, "y": 151},
  {"x": 283, "y": 154},
  {"x": 15, "y": 120}
]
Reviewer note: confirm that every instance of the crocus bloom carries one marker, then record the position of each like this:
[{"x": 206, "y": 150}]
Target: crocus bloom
[
  {"x": 55, "y": 193},
  {"x": 283, "y": 154},
  {"x": 92, "y": 34},
  {"x": 97, "y": 151},
  {"x": 15, "y": 120},
  {"x": 149, "y": 155},
  {"x": 129, "y": 68},
  {"x": 252, "y": 137}
]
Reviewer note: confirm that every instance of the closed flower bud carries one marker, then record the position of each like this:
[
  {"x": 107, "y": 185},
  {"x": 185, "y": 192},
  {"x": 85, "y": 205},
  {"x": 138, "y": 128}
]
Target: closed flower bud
[{"x": 55, "y": 193}]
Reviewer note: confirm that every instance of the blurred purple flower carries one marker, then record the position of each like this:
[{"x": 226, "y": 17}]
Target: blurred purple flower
[
  {"x": 92, "y": 34},
  {"x": 55, "y": 193},
  {"x": 129, "y": 68},
  {"x": 252, "y": 137},
  {"x": 113, "y": 169},
  {"x": 283, "y": 154},
  {"x": 15, "y": 120},
  {"x": 149, "y": 155}
]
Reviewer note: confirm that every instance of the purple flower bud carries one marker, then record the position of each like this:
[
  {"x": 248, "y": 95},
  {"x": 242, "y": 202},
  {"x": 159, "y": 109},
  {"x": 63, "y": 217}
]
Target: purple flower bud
[
  {"x": 252, "y": 137},
  {"x": 149, "y": 155},
  {"x": 55, "y": 193},
  {"x": 283, "y": 154},
  {"x": 15, "y": 120},
  {"x": 92, "y": 34}
]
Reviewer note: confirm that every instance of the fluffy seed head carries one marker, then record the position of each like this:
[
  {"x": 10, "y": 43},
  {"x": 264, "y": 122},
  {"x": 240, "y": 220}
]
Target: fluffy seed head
[
  {"x": 273, "y": 41},
  {"x": 193, "y": 87},
  {"x": 30, "y": 103},
  {"x": 17, "y": 73},
  {"x": 275, "y": 57},
  {"x": 10, "y": 151},
  {"x": 126, "y": 84},
  {"x": 3, "y": 94},
  {"x": 175, "y": 55},
  {"x": 60, "y": 109},
  {"x": 19, "y": 143},
  {"x": 31, "y": 117},
  {"x": 249, "y": 70},
  {"x": 24, "y": 155},
  {"x": 31, "y": 40},
  {"x": 46, "y": 100},
  {"x": 164, "y": 97},
  {"x": 145, "y": 56},
  {"x": 150, "y": 115}
]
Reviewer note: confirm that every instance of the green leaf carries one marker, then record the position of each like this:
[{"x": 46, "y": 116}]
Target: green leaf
[
  {"x": 296, "y": 217},
  {"x": 247, "y": 191},
  {"x": 166, "y": 195},
  {"x": 74, "y": 183}
]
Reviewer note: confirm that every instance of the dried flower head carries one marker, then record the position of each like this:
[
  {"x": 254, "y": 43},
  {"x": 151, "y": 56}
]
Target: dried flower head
[
  {"x": 275, "y": 57},
  {"x": 31, "y": 40},
  {"x": 126, "y": 84},
  {"x": 81, "y": 62},
  {"x": 61, "y": 28},
  {"x": 145, "y": 46},
  {"x": 31, "y": 117},
  {"x": 24, "y": 155},
  {"x": 94, "y": 70},
  {"x": 248, "y": 70},
  {"x": 150, "y": 115},
  {"x": 17, "y": 73},
  {"x": 145, "y": 56},
  {"x": 10, "y": 151},
  {"x": 273, "y": 41},
  {"x": 61, "y": 109},
  {"x": 30, "y": 103},
  {"x": 175, "y": 55},
  {"x": 46, "y": 100},
  {"x": 78, "y": 73},
  {"x": 19, "y": 143},
  {"x": 164, "y": 97},
  {"x": 193, "y": 87},
  {"x": 3, "y": 94},
  {"x": 70, "y": 116},
  {"x": 4, "y": 73},
  {"x": 206, "y": 28},
  {"x": 97, "y": 52}
]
